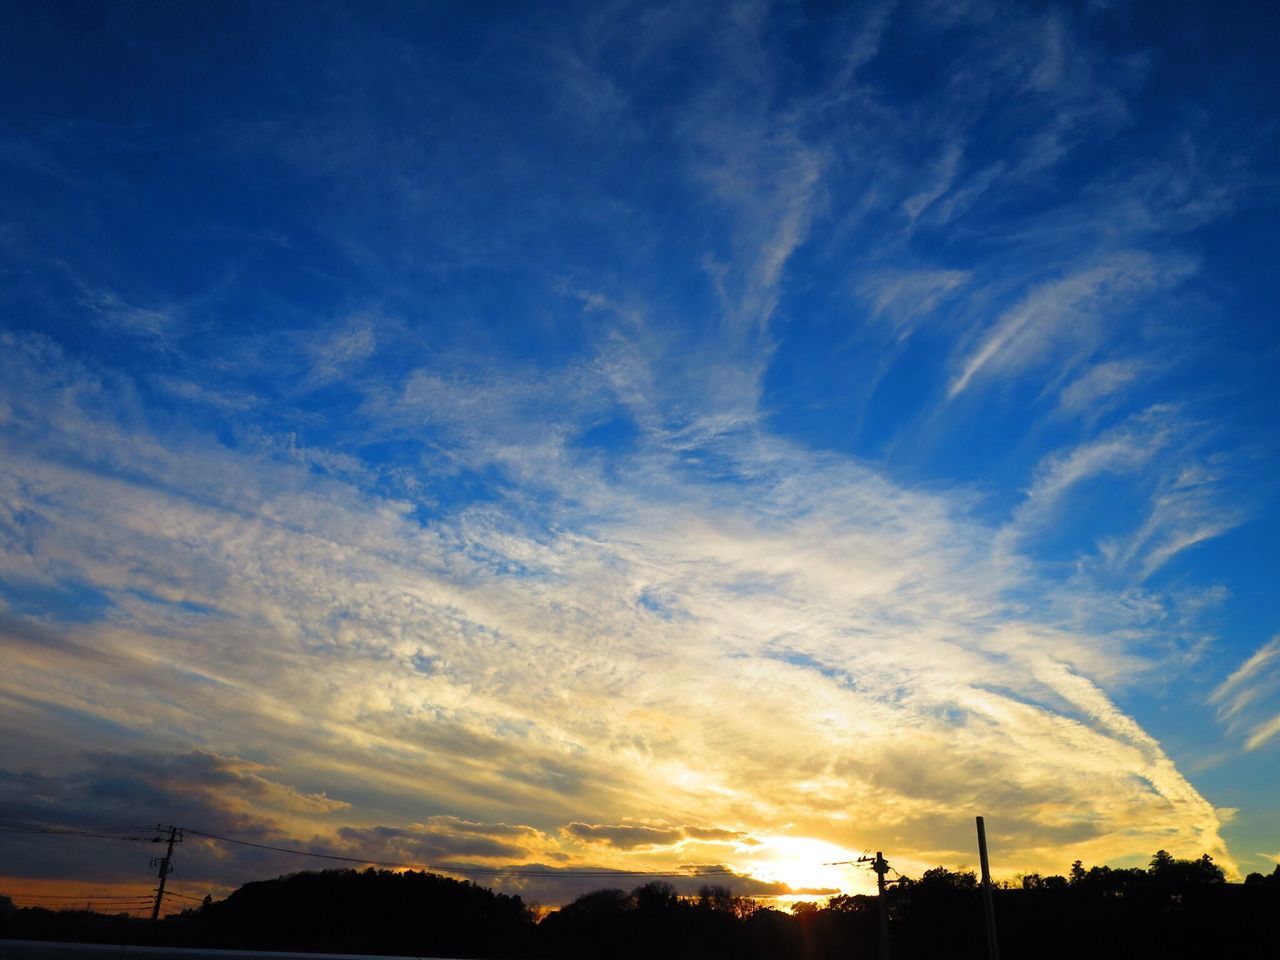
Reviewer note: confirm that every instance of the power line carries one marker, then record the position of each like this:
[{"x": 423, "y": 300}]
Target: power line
[
  {"x": 36, "y": 829},
  {"x": 184, "y": 896},
  {"x": 83, "y": 826},
  {"x": 100, "y": 833},
  {"x": 81, "y": 896},
  {"x": 67, "y": 828},
  {"x": 177, "y": 881},
  {"x": 107, "y": 905},
  {"x": 83, "y": 903}
]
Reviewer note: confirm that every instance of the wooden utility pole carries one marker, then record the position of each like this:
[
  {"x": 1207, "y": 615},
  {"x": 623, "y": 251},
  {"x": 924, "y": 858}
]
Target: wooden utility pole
[
  {"x": 993, "y": 949},
  {"x": 166, "y": 866},
  {"x": 881, "y": 867}
]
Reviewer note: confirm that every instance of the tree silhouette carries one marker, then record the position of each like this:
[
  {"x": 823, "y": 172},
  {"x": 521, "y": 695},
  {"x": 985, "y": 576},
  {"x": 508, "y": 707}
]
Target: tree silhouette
[{"x": 1173, "y": 908}]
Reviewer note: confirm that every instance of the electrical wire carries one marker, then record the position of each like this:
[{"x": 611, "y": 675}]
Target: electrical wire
[
  {"x": 36, "y": 829},
  {"x": 183, "y": 896},
  {"x": 84, "y": 896},
  {"x": 40, "y": 829}
]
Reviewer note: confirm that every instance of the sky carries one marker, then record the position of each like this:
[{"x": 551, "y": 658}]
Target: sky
[{"x": 638, "y": 436}]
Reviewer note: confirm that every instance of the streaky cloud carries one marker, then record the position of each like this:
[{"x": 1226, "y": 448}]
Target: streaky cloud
[{"x": 1246, "y": 699}]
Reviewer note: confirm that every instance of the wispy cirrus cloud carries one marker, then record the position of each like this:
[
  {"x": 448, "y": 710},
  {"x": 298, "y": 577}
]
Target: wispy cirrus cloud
[
  {"x": 350, "y": 344},
  {"x": 1062, "y": 315},
  {"x": 542, "y": 453},
  {"x": 905, "y": 296},
  {"x": 1186, "y": 510},
  {"x": 848, "y": 611},
  {"x": 1096, "y": 388},
  {"x": 941, "y": 178},
  {"x": 1246, "y": 699},
  {"x": 1125, "y": 448}
]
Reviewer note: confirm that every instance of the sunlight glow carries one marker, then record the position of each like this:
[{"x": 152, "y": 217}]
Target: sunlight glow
[{"x": 805, "y": 863}]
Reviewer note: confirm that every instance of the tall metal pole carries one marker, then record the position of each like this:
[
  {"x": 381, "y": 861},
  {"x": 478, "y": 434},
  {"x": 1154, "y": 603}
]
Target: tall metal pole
[
  {"x": 166, "y": 867},
  {"x": 993, "y": 949}
]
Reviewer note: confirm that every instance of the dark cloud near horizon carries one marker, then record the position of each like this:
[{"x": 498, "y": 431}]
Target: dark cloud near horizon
[
  {"x": 443, "y": 837},
  {"x": 629, "y": 836},
  {"x": 233, "y": 797},
  {"x": 718, "y": 835},
  {"x": 227, "y": 796},
  {"x": 626, "y": 836}
]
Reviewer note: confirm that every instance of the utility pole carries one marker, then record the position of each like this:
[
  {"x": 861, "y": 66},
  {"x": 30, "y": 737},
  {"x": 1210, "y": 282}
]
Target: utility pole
[
  {"x": 165, "y": 864},
  {"x": 993, "y": 949},
  {"x": 881, "y": 867}
]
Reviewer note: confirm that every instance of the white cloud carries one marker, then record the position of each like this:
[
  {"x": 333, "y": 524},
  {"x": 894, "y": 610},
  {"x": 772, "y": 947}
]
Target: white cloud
[
  {"x": 760, "y": 163},
  {"x": 1050, "y": 65},
  {"x": 1246, "y": 699},
  {"x": 504, "y": 668},
  {"x": 1124, "y": 449},
  {"x": 714, "y": 626},
  {"x": 334, "y": 354},
  {"x": 1098, "y": 385},
  {"x": 1263, "y": 733},
  {"x": 1187, "y": 509},
  {"x": 769, "y": 179},
  {"x": 1182, "y": 501},
  {"x": 940, "y": 178},
  {"x": 117, "y": 316},
  {"x": 904, "y": 296},
  {"x": 1064, "y": 314}
]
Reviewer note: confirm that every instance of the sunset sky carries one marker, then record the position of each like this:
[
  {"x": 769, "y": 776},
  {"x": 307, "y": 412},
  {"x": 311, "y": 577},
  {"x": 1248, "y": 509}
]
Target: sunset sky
[{"x": 638, "y": 435}]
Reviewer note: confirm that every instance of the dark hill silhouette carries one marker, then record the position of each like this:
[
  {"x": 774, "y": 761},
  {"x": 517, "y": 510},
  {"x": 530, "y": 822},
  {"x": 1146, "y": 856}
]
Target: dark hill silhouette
[
  {"x": 343, "y": 911},
  {"x": 1173, "y": 908}
]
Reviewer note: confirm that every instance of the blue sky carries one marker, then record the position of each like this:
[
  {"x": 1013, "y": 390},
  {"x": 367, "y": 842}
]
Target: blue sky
[{"x": 643, "y": 434}]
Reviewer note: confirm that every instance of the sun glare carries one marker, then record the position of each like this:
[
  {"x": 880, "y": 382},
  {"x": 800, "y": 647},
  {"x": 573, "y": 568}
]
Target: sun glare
[{"x": 805, "y": 864}]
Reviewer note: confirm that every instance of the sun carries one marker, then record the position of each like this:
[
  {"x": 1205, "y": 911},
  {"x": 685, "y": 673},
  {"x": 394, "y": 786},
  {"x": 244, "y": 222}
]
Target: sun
[{"x": 805, "y": 864}]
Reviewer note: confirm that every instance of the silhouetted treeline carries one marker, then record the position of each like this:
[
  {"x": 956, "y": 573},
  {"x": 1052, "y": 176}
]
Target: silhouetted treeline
[
  {"x": 1173, "y": 908},
  {"x": 332, "y": 911}
]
